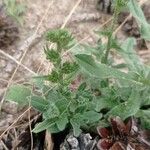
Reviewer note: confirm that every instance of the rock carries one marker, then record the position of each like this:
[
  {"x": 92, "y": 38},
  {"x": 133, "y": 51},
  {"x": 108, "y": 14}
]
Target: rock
[{"x": 83, "y": 142}]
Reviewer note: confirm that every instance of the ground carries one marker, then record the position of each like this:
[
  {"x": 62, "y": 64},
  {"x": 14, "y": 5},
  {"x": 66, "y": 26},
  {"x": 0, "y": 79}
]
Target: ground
[{"x": 26, "y": 57}]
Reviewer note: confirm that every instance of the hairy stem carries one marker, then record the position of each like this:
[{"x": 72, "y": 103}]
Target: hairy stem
[{"x": 112, "y": 27}]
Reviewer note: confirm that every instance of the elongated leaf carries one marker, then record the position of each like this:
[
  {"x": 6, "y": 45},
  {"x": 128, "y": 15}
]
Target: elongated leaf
[
  {"x": 127, "y": 109},
  {"x": 53, "y": 128},
  {"x": 19, "y": 94},
  {"x": 92, "y": 116},
  {"x": 130, "y": 56},
  {"x": 137, "y": 12},
  {"x": 51, "y": 112},
  {"x": 39, "y": 103},
  {"x": 145, "y": 31},
  {"x": 100, "y": 71},
  {"x": 43, "y": 126},
  {"x": 76, "y": 127},
  {"x": 62, "y": 122},
  {"x": 104, "y": 103},
  {"x": 38, "y": 82}
]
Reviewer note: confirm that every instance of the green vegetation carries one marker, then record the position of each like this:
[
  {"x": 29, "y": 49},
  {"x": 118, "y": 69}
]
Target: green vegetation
[{"x": 105, "y": 90}]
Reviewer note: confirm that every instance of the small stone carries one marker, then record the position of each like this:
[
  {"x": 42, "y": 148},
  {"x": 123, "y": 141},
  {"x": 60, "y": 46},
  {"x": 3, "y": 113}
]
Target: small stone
[
  {"x": 73, "y": 142},
  {"x": 83, "y": 142}
]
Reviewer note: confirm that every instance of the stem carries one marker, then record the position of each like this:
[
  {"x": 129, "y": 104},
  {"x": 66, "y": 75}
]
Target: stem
[
  {"x": 107, "y": 49},
  {"x": 112, "y": 27},
  {"x": 58, "y": 66},
  {"x": 105, "y": 83}
]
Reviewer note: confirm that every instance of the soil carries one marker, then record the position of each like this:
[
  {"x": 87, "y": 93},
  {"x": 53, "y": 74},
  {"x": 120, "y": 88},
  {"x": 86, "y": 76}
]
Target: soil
[{"x": 29, "y": 49}]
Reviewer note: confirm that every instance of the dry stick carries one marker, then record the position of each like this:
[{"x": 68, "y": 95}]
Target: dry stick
[
  {"x": 120, "y": 26},
  {"x": 30, "y": 128},
  {"x": 3, "y": 80},
  {"x": 70, "y": 14},
  {"x": 24, "y": 54},
  {"x": 5, "y": 147},
  {"x": 17, "y": 62},
  {"x": 16, "y": 137},
  {"x": 14, "y": 122}
]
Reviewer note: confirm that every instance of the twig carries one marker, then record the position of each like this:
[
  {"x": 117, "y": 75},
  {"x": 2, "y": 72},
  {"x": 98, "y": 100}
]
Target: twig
[
  {"x": 70, "y": 14},
  {"x": 17, "y": 62},
  {"x": 14, "y": 122}
]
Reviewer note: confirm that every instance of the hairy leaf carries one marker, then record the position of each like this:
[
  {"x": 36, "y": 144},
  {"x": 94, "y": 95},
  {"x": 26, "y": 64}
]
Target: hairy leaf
[
  {"x": 137, "y": 12},
  {"x": 52, "y": 111},
  {"x": 133, "y": 61},
  {"x": 101, "y": 71},
  {"x": 19, "y": 94},
  {"x": 62, "y": 122},
  {"x": 128, "y": 108},
  {"x": 76, "y": 127},
  {"x": 39, "y": 103},
  {"x": 92, "y": 116},
  {"x": 43, "y": 126}
]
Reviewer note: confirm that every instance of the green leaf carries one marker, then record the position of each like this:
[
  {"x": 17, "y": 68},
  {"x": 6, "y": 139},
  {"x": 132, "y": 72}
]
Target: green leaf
[
  {"x": 51, "y": 54},
  {"x": 92, "y": 116},
  {"x": 83, "y": 49},
  {"x": 61, "y": 37},
  {"x": 53, "y": 128},
  {"x": 137, "y": 12},
  {"x": 43, "y": 126},
  {"x": 53, "y": 96},
  {"x": 133, "y": 61},
  {"x": 104, "y": 103},
  {"x": 62, "y": 104},
  {"x": 99, "y": 70},
  {"x": 76, "y": 127},
  {"x": 145, "y": 31},
  {"x": 39, "y": 103},
  {"x": 52, "y": 111},
  {"x": 62, "y": 122},
  {"x": 69, "y": 67},
  {"x": 38, "y": 81},
  {"x": 82, "y": 87},
  {"x": 128, "y": 108},
  {"x": 19, "y": 94},
  {"x": 54, "y": 76}
]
